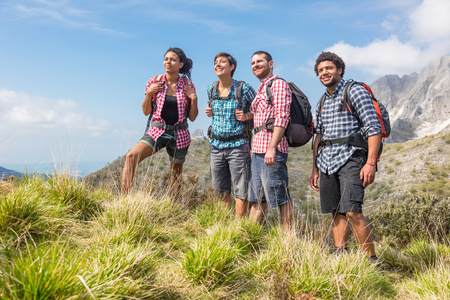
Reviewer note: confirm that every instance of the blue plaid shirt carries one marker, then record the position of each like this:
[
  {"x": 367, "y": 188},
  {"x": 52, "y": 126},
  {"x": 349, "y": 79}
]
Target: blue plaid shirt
[
  {"x": 334, "y": 123},
  {"x": 224, "y": 122}
]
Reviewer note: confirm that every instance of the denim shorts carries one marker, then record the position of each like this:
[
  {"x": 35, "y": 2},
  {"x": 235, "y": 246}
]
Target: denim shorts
[
  {"x": 231, "y": 165},
  {"x": 343, "y": 191},
  {"x": 269, "y": 184},
  {"x": 177, "y": 156}
]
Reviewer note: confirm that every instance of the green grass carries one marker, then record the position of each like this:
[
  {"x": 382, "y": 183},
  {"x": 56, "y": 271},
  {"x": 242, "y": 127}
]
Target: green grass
[{"x": 62, "y": 240}]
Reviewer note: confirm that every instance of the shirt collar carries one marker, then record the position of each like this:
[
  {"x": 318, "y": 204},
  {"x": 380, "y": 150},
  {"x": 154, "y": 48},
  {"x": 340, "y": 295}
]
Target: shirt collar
[
  {"x": 265, "y": 81},
  {"x": 337, "y": 89},
  {"x": 180, "y": 83}
]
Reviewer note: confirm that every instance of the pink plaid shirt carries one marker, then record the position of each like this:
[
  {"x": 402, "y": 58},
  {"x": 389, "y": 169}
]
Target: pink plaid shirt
[
  {"x": 183, "y": 136},
  {"x": 282, "y": 97}
]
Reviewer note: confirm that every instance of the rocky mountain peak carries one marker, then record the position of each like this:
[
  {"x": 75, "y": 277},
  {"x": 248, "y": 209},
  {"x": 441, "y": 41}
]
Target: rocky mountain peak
[{"x": 419, "y": 103}]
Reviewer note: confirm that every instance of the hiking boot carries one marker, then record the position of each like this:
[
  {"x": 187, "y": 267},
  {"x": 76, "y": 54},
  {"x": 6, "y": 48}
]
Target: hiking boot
[
  {"x": 374, "y": 260},
  {"x": 339, "y": 251}
]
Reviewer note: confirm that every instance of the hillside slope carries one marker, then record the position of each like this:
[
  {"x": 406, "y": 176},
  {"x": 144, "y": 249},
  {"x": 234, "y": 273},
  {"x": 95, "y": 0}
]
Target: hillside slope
[{"x": 415, "y": 166}]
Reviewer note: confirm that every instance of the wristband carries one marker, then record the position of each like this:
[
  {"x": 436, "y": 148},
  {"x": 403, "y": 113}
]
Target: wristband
[{"x": 373, "y": 165}]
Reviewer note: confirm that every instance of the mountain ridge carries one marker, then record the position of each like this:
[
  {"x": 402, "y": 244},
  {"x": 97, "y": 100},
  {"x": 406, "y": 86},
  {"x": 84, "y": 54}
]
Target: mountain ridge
[{"x": 418, "y": 103}]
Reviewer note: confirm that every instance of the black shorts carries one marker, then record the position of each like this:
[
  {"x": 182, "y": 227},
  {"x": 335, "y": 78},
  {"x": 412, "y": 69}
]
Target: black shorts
[{"x": 343, "y": 191}]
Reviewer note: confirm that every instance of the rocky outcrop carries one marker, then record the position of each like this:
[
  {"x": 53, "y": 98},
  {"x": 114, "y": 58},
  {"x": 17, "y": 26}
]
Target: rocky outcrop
[{"x": 419, "y": 103}]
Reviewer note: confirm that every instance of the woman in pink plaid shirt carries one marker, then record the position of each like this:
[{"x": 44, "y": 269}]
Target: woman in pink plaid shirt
[{"x": 170, "y": 99}]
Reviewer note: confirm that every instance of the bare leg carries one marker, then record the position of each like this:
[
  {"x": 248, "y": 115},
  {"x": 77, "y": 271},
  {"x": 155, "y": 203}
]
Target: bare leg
[
  {"x": 241, "y": 207},
  {"x": 287, "y": 216},
  {"x": 341, "y": 230},
  {"x": 175, "y": 173},
  {"x": 226, "y": 202},
  {"x": 258, "y": 211},
  {"x": 362, "y": 231},
  {"x": 133, "y": 158}
]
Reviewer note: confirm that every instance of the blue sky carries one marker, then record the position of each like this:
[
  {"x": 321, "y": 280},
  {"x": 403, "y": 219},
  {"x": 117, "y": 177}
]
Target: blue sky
[{"x": 73, "y": 73}]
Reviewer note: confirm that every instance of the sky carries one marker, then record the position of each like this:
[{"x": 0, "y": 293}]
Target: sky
[{"x": 73, "y": 73}]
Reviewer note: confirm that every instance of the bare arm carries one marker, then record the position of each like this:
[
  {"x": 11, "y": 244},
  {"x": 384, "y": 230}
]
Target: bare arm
[
  {"x": 315, "y": 171},
  {"x": 278, "y": 133},
  {"x": 368, "y": 170},
  {"x": 152, "y": 90},
  {"x": 193, "y": 111}
]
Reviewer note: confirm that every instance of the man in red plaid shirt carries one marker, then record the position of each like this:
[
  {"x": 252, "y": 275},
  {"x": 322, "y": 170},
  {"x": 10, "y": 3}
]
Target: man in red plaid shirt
[{"x": 269, "y": 181}]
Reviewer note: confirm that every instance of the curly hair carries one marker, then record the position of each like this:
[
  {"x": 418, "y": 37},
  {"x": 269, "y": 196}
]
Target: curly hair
[{"x": 330, "y": 56}]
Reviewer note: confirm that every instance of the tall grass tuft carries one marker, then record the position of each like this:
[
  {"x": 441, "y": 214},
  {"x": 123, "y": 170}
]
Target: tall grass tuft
[
  {"x": 212, "y": 259},
  {"x": 293, "y": 265},
  {"x": 418, "y": 256},
  {"x": 74, "y": 195},
  {"x": 431, "y": 284},
  {"x": 26, "y": 213},
  {"x": 120, "y": 271},
  {"x": 141, "y": 217},
  {"x": 56, "y": 270},
  {"x": 46, "y": 272}
]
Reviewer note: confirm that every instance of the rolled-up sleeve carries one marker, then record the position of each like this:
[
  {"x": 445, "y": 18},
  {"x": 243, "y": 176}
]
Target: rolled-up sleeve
[
  {"x": 282, "y": 98},
  {"x": 363, "y": 104}
]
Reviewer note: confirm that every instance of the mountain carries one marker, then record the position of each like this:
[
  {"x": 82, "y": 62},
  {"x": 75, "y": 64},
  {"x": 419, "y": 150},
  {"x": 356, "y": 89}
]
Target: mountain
[
  {"x": 419, "y": 103},
  {"x": 4, "y": 171},
  {"x": 198, "y": 134}
]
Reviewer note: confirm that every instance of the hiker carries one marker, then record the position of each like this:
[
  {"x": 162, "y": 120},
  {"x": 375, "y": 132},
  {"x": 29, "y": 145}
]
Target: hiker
[
  {"x": 229, "y": 104},
  {"x": 345, "y": 169},
  {"x": 269, "y": 174},
  {"x": 170, "y": 101}
]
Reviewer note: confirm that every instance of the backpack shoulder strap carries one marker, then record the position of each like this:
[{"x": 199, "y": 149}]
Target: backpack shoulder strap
[
  {"x": 238, "y": 93},
  {"x": 269, "y": 95},
  {"x": 212, "y": 92},
  {"x": 347, "y": 101},
  {"x": 187, "y": 81}
]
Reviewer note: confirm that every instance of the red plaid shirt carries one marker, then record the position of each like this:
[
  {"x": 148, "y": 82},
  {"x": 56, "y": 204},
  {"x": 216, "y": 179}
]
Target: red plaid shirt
[
  {"x": 282, "y": 98},
  {"x": 183, "y": 136}
]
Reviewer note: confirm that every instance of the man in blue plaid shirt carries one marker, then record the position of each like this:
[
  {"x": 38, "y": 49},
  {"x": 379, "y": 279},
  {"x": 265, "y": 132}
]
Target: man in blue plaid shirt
[
  {"x": 228, "y": 134},
  {"x": 345, "y": 169}
]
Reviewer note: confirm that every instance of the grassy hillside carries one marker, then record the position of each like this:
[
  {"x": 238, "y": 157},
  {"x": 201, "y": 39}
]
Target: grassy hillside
[{"x": 62, "y": 239}]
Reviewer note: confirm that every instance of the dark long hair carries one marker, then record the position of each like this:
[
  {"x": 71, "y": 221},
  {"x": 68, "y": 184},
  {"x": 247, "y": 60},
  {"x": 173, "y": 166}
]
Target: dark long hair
[{"x": 187, "y": 62}]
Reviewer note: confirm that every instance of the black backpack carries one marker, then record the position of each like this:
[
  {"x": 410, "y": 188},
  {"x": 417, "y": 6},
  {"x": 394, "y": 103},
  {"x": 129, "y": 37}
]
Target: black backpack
[
  {"x": 249, "y": 124},
  {"x": 301, "y": 127}
]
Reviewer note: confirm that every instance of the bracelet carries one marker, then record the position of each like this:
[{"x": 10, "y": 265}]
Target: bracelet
[{"x": 370, "y": 164}]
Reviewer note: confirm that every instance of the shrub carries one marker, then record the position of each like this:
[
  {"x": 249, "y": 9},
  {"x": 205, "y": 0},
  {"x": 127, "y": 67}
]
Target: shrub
[{"x": 420, "y": 216}]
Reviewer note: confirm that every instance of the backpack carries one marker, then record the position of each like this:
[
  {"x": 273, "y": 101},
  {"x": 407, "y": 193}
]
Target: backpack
[
  {"x": 183, "y": 125},
  {"x": 357, "y": 139},
  {"x": 249, "y": 124},
  {"x": 301, "y": 127}
]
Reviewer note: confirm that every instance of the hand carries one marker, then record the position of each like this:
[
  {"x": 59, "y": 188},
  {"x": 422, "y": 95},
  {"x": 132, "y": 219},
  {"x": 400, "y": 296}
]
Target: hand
[
  {"x": 313, "y": 180},
  {"x": 190, "y": 92},
  {"x": 240, "y": 116},
  {"x": 367, "y": 174},
  {"x": 209, "y": 111},
  {"x": 269, "y": 158},
  {"x": 155, "y": 88}
]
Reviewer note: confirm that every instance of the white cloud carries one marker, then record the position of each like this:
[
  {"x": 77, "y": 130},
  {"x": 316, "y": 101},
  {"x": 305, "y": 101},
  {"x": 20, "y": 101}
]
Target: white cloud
[
  {"x": 430, "y": 21},
  {"x": 429, "y": 37},
  {"x": 20, "y": 111}
]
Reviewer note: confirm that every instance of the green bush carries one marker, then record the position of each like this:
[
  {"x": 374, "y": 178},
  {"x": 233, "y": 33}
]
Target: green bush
[{"x": 418, "y": 217}]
